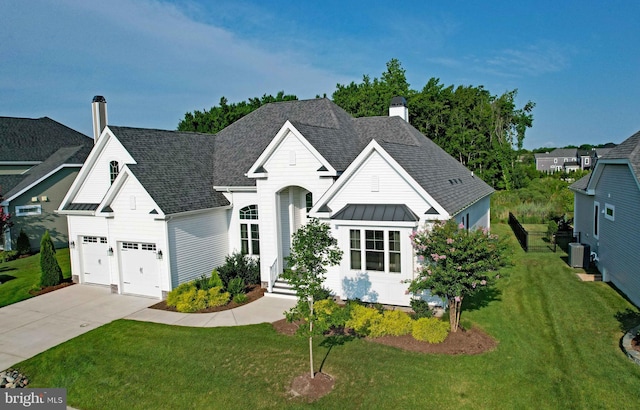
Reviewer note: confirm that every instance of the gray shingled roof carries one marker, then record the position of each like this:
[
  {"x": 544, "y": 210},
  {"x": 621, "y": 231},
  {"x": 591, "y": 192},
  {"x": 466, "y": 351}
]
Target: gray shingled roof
[
  {"x": 174, "y": 167},
  {"x": 629, "y": 149},
  {"x": 340, "y": 138},
  {"x": 66, "y": 155},
  {"x": 27, "y": 139}
]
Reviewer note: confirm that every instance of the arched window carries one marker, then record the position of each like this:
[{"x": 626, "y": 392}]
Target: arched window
[
  {"x": 249, "y": 232},
  {"x": 114, "y": 169}
]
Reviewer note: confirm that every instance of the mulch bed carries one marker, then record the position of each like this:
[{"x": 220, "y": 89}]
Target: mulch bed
[
  {"x": 470, "y": 342},
  {"x": 311, "y": 389},
  {"x": 50, "y": 288},
  {"x": 254, "y": 293}
]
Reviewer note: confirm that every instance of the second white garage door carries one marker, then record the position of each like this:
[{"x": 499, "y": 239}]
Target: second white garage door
[{"x": 140, "y": 269}]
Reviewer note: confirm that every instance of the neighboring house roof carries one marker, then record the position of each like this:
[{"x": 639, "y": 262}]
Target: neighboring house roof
[
  {"x": 60, "y": 158},
  {"x": 174, "y": 167},
  {"x": 339, "y": 138},
  {"x": 27, "y": 139}
]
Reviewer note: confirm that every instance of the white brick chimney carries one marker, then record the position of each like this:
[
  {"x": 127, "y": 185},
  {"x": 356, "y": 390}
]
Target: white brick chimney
[
  {"x": 399, "y": 108},
  {"x": 99, "y": 115}
]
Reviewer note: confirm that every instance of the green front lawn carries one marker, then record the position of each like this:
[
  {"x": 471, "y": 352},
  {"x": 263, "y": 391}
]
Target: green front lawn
[
  {"x": 21, "y": 275},
  {"x": 558, "y": 348}
]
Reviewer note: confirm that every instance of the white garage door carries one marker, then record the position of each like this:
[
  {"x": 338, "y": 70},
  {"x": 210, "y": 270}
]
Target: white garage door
[
  {"x": 140, "y": 267},
  {"x": 95, "y": 260}
]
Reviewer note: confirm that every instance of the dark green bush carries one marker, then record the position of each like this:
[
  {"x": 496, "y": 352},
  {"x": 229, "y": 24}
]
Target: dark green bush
[
  {"x": 23, "y": 247},
  {"x": 242, "y": 266},
  {"x": 236, "y": 286},
  {"x": 50, "y": 272},
  {"x": 421, "y": 308}
]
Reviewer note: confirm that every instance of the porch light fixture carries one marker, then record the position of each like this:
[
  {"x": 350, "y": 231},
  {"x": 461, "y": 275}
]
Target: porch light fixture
[
  {"x": 159, "y": 255},
  {"x": 110, "y": 251},
  {"x": 72, "y": 244}
]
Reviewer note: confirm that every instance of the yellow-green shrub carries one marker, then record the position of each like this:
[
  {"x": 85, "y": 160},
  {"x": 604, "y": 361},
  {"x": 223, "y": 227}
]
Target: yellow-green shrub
[
  {"x": 430, "y": 329},
  {"x": 393, "y": 323},
  {"x": 192, "y": 300},
  {"x": 362, "y": 318},
  {"x": 217, "y": 297},
  {"x": 174, "y": 296}
]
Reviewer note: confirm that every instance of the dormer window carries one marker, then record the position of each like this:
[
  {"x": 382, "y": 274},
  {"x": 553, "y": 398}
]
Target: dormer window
[{"x": 114, "y": 169}]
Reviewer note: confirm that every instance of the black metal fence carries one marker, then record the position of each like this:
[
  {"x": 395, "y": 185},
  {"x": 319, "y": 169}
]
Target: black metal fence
[{"x": 531, "y": 241}]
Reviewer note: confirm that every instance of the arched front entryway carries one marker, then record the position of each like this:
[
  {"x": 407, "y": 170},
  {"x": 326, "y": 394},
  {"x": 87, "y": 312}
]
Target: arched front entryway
[{"x": 293, "y": 205}]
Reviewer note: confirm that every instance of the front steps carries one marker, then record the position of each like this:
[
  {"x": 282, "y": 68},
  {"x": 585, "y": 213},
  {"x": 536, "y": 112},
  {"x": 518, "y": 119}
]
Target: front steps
[{"x": 282, "y": 289}]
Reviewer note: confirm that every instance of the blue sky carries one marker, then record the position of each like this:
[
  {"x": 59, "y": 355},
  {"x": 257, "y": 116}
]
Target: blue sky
[{"x": 155, "y": 60}]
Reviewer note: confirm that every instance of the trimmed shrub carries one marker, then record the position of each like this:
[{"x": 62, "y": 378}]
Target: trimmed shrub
[
  {"x": 421, "y": 308},
  {"x": 393, "y": 323},
  {"x": 362, "y": 318},
  {"x": 214, "y": 280},
  {"x": 430, "y": 329},
  {"x": 329, "y": 314},
  {"x": 192, "y": 300},
  {"x": 239, "y": 265},
  {"x": 174, "y": 296},
  {"x": 50, "y": 272},
  {"x": 217, "y": 297},
  {"x": 236, "y": 286},
  {"x": 240, "y": 298},
  {"x": 23, "y": 247},
  {"x": 6, "y": 256}
]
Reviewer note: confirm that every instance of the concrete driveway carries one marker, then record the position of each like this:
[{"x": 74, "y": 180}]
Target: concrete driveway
[{"x": 37, "y": 324}]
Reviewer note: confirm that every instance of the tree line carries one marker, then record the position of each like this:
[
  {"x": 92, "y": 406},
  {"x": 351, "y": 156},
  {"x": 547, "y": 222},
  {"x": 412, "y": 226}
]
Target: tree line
[{"x": 483, "y": 131}]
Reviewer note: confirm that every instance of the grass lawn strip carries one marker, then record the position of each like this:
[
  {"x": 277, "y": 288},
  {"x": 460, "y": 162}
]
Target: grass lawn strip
[{"x": 558, "y": 348}]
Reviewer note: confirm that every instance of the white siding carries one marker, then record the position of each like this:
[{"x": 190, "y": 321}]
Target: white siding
[
  {"x": 392, "y": 188},
  {"x": 198, "y": 243},
  {"x": 97, "y": 182}
]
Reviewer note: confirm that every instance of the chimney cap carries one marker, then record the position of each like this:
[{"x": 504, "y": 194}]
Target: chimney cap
[
  {"x": 99, "y": 99},
  {"x": 398, "y": 102}
]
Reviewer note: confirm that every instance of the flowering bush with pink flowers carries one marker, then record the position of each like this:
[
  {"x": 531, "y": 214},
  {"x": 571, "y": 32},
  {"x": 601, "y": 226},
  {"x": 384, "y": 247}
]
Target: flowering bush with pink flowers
[{"x": 456, "y": 262}]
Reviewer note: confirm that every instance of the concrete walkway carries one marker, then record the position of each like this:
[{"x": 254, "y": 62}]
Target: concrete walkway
[{"x": 40, "y": 323}]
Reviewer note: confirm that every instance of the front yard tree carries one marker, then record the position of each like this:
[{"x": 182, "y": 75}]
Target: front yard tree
[
  {"x": 50, "y": 272},
  {"x": 456, "y": 262},
  {"x": 312, "y": 250}
]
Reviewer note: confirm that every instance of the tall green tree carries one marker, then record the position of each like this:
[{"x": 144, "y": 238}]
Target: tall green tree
[
  {"x": 50, "y": 272},
  {"x": 312, "y": 250},
  {"x": 225, "y": 114},
  {"x": 456, "y": 263},
  {"x": 481, "y": 130}
]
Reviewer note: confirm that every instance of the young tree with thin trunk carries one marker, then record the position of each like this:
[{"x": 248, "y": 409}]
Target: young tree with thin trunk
[
  {"x": 456, "y": 262},
  {"x": 312, "y": 250}
]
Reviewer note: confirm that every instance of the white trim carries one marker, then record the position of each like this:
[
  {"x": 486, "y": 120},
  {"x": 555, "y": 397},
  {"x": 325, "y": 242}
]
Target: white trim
[
  {"x": 608, "y": 207},
  {"x": 231, "y": 188},
  {"x": 351, "y": 170},
  {"x": 37, "y": 210},
  {"x": 273, "y": 146},
  {"x": 37, "y": 181}
]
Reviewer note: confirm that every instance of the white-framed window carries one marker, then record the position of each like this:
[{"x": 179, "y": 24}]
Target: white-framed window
[
  {"x": 586, "y": 160},
  {"x": 380, "y": 251},
  {"x": 26, "y": 210},
  {"x": 610, "y": 212},
  {"x": 555, "y": 160},
  {"x": 596, "y": 219},
  {"x": 114, "y": 170},
  {"x": 249, "y": 232}
]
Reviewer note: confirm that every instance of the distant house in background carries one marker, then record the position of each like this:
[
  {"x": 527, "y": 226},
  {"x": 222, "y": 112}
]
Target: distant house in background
[
  {"x": 607, "y": 214},
  {"x": 568, "y": 159},
  {"x": 39, "y": 160}
]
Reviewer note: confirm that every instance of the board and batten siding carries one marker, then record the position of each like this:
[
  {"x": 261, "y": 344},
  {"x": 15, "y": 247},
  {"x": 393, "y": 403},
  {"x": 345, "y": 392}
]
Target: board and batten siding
[
  {"x": 290, "y": 165},
  {"x": 619, "y": 242},
  {"x": 198, "y": 244},
  {"x": 377, "y": 182},
  {"x": 97, "y": 182}
]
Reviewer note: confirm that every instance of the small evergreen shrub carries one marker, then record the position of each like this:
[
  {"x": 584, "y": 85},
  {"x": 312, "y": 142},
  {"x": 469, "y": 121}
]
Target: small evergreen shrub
[
  {"x": 430, "y": 329},
  {"x": 393, "y": 323},
  {"x": 239, "y": 265},
  {"x": 217, "y": 297},
  {"x": 240, "y": 298},
  {"x": 192, "y": 300},
  {"x": 23, "y": 247},
  {"x": 50, "y": 272},
  {"x": 329, "y": 314},
  {"x": 421, "y": 308},
  {"x": 236, "y": 286},
  {"x": 214, "y": 280},
  {"x": 174, "y": 296},
  {"x": 7, "y": 256},
  {"x": 362, "y": 318}
]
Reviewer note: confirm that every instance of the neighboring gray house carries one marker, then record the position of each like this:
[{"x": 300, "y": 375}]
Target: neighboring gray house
[
  {"x": 39, "y": 160},
  {"x": 560, "y": 159},
  {"x": 607, "y": 215}
]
